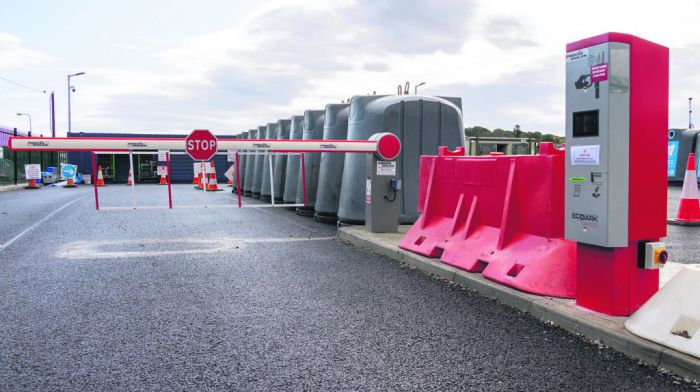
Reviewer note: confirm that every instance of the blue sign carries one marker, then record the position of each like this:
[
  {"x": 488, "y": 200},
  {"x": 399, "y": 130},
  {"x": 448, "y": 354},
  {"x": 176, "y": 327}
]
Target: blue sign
[
  {"x": 68, "y": 171},
  {"x": 672, "y": 157}
]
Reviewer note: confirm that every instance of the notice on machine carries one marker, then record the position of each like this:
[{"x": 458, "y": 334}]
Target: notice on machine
[
  {"x": 386, "y": 168},
  {"x": 368, "y": 191},
  {"x": 231, "y": 156},
  {"x": 161, "y": 155},
  {"x": 585, "y": 155}
]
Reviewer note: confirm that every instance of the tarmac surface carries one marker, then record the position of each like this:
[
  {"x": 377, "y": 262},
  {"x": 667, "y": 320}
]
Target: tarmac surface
[{"x": 253, "y": 299}]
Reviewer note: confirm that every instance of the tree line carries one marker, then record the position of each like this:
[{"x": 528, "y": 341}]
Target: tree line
[{"x": 478, "y": 131}]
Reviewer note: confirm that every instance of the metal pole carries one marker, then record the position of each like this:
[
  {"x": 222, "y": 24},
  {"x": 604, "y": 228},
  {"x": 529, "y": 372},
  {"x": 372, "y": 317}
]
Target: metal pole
[
  {"x": 272, "y": 179},
  {"x": 303, "y": 177},
  {"x": 238, "y": 181},
  {"x": 170, "y": 193},
  {"x": 14, "y": 160},
  {"x": 69, "y": 129},
  {"x": 205, "y": 182},
  {"x": 133, "y": 182},
  {"x": 53, "y": 115},
  {"x": 94, "y": 182}
]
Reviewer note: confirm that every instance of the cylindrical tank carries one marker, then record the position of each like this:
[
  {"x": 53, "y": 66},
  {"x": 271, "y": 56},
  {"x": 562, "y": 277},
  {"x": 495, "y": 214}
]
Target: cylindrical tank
[
  {"x": 292, "y": 171},
  {"x": 422, "y": 124},
  {"x": 265, "y": 189},
  {"x": 330, "y": 174},
  {"x": 258, "y": 171},
  {"x": 241, "y": 166},
  {"x": 249, "y": 167},
  {"x": 681, "y": 142},
  {"x": 313, "y": 130},
  {"x": 280, "y": 162}
]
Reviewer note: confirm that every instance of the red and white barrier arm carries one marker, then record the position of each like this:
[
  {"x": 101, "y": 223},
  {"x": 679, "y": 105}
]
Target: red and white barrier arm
[{"x": 386, "y": 145}]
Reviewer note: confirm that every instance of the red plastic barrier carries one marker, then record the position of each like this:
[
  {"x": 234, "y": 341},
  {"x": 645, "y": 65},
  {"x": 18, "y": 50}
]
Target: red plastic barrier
[{"x": 500, "y": 215}]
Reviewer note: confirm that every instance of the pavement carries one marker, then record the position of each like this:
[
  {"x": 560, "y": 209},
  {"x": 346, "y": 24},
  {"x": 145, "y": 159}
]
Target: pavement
[{"x": 252, "y": 299}]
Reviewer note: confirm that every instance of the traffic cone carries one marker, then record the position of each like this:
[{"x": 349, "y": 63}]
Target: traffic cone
[
  {"x": 31, "y": 184},
  {"x": 202, "y": 177},
  {"x": 195, "y": 181},
  {"x": 100, "y": 179},
  {"x": 163, "y": 180},
  {"x": 130, "y": 180},
  {"x": 70, "y": 183},
  {"x": 689, "y": 207},
  {"x": 212, "y": 185}
]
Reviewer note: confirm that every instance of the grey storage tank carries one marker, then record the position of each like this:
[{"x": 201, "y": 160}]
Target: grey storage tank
[
  {"x": 241, "y": 166},
  {"x": 265, "y": 192},
  {"x": 280, "y": 162},
  {"x": 291, "y": 177},
  {"x": 330, "y": 173},
  {"x": 681, "y": 142},
  {"x": 422, "y": 123},
  {"x": 258, "y": 171},
  {"x": 249, "y": 167},
  {"x": 313, "y": 130}
]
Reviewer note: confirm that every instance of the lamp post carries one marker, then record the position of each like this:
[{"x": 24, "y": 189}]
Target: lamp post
[
  {"x": 30, "y": 121},
  {"x": 69, "y": 89},
  {"x": 415, "y": 89}
]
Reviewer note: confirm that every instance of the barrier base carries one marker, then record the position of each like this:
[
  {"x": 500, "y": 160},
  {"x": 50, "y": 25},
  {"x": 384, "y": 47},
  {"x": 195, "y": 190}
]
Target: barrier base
[
  {"x": 32, "y": 187},
  {"x": 305, "y": 211},
  {"x": 325, "y": 218},
  {"x": 682, "y": 223},
  {"x": 70, "y": 186}
]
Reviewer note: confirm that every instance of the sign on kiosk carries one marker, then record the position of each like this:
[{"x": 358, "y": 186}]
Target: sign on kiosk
[{"x": 201, "y": 145}]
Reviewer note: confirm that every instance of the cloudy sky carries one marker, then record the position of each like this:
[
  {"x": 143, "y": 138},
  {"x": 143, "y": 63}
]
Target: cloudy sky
[{"x": 164, "y": 66}]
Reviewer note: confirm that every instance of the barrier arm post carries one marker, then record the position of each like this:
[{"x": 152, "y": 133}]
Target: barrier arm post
[
  {"x": 170, "y": 192},
  {"x": 238, "y": 181},
  {"x": 94, "y": 182},
  {"x": 303, "y": 177}
]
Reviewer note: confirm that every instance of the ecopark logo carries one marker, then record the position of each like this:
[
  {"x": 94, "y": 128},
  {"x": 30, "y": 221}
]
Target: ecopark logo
[
  {"x": 584, "y": 217},
  {"x": 262, "y": 145},
  {"x": 136, "y": 144},
  {"x": 329, "y": 146},
  {"x": 38, "y": 144}
]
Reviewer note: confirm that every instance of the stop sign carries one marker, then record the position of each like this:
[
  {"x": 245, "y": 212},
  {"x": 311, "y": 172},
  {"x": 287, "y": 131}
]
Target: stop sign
[{"x": 201, "y": 145}]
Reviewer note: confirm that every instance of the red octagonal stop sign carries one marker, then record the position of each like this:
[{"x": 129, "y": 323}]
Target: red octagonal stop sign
[{"x": 201, "y": 145}]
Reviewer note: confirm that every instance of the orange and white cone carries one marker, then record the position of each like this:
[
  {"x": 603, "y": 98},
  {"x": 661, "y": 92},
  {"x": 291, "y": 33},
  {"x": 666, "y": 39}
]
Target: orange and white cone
[
  {"x": 689, "y": 207},
  {"x": 202, "y": 176},
  {"x": 100, "y": 179},
  {"x": 130, "y": 181},
  {"x": 31, "y": 184},
  {"x": 212, "y": 185},
  {"x": 163, "y": 179}
]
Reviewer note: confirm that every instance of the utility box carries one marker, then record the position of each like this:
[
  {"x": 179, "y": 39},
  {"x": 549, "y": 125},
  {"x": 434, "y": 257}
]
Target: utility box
[{"x": 616, "y": 166}]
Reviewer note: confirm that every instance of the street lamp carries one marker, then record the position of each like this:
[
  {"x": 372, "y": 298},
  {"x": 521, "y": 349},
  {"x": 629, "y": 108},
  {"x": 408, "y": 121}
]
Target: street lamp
[
  {"x": 69, "y": 89},
  {"x": 415, "y": 89},
  {"x": 30, "y": 121}
]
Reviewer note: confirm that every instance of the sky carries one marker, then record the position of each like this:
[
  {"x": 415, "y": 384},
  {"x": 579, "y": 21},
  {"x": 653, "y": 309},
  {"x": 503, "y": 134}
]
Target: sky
[{"x": 172, "y": 66}]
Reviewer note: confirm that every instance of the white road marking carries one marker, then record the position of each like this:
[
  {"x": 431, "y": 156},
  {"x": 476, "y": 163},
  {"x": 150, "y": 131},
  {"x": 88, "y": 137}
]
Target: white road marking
[
  {"x": 32, "y": 227},
  {"x": 125, "y": 248}
]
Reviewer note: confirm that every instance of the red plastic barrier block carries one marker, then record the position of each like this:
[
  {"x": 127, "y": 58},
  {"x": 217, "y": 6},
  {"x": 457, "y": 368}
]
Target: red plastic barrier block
[{"x": 500, "y": 215}]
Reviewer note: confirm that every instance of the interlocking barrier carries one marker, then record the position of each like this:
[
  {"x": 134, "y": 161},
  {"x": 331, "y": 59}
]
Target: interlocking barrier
[{"x": 499, "y": 215}]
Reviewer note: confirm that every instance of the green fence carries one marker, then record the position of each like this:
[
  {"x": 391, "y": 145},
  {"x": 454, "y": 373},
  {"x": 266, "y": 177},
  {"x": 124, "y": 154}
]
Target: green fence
[{"x": 12, "y": 163}]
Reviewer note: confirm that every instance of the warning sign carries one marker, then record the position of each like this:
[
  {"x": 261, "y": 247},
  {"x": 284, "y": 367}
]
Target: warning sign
[
  {"x": 585, "y": 155},
  {"x": 161, "y": 155},
  {"x": 385, "y": 168},
  {"x": 368, "y": 192},
  {"x": 599, "y": 73},
  {"x": 32, "y": 171},
  {"x": 231, "y": 156},
  {"x": 229, "y": 173}
]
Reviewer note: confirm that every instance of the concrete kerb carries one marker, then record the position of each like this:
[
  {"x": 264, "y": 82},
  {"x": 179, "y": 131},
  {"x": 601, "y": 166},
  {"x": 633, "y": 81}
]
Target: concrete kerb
[
  {"x": 4, "y": 188},
  {"x": 606, "y": 330}
]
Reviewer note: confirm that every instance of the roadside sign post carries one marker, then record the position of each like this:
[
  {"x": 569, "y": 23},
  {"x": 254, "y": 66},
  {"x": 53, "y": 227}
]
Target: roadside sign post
[{"x": 201, "y": 145}]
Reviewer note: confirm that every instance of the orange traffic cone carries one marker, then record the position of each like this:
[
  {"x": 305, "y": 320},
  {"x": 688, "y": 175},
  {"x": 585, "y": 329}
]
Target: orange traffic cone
[
  {"x": 689, "y": 207},
  {"x": 70, "y": 183},
  {"x": 130, "y": 180},
  {"x": 100, "y": 179},
  {"x": 212, "y": 185},
  {"x": 31, "y": 184},
  {"x": 163, "y": 180}
]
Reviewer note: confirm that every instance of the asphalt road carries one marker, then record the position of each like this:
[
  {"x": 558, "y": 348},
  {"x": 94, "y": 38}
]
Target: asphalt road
[{"x": 254, "y": 299}]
